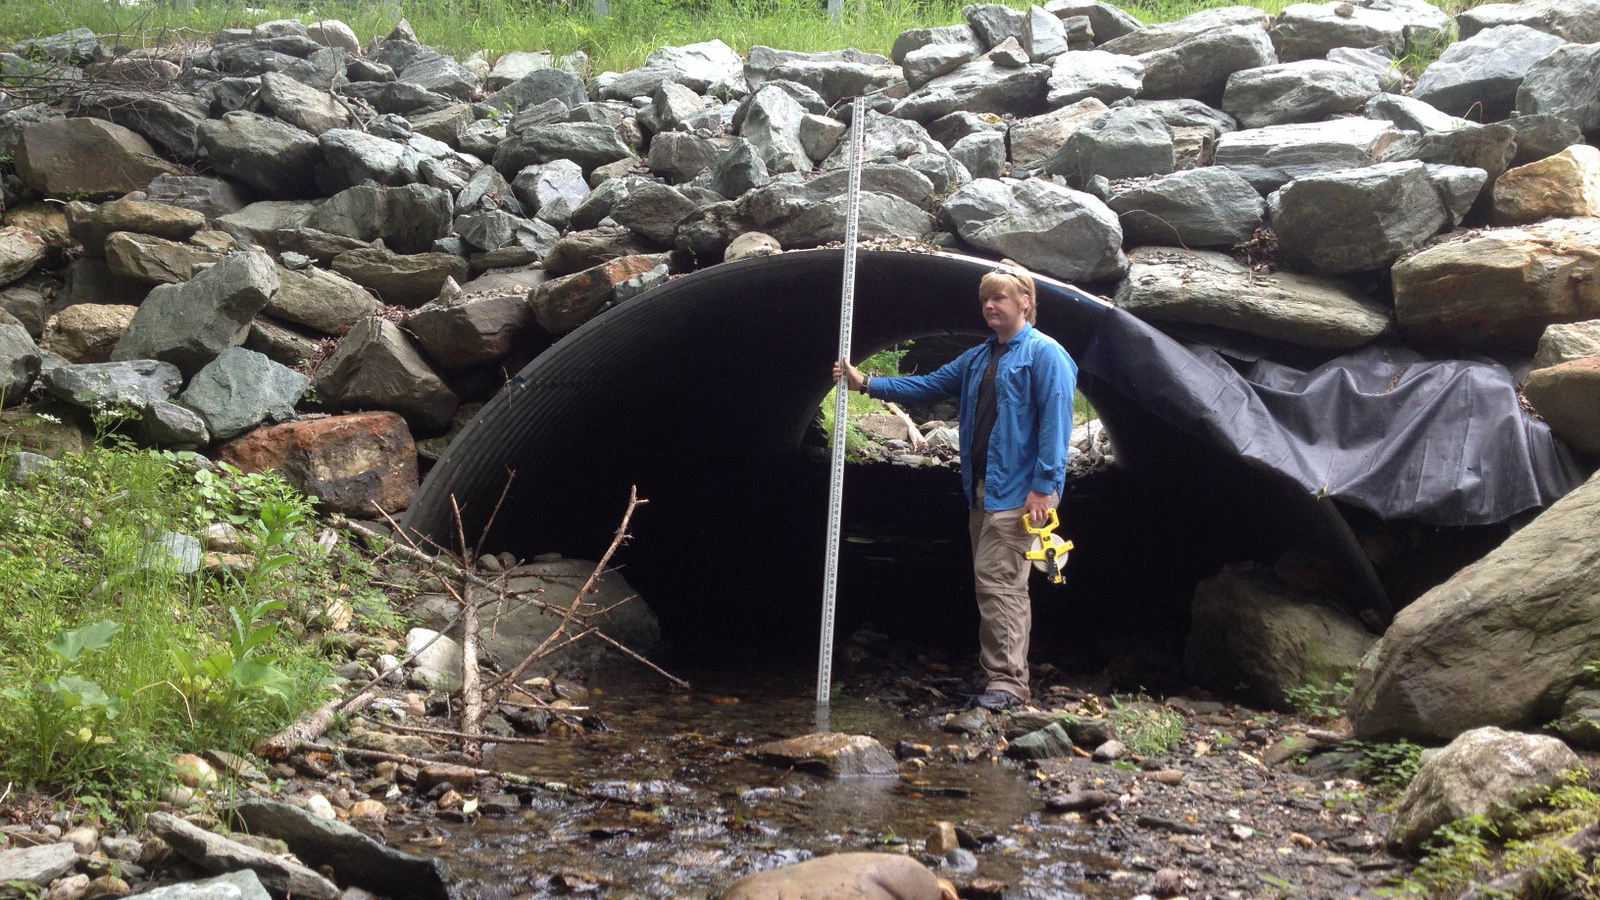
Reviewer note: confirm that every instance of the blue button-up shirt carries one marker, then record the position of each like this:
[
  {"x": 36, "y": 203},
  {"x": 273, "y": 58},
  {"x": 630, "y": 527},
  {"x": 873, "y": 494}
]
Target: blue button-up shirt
[{"x": 1033, "y": 385}]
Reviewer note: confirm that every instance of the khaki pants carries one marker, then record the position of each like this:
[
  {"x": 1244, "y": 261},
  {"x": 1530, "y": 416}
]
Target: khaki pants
[{"x": 1005, "y": 614}]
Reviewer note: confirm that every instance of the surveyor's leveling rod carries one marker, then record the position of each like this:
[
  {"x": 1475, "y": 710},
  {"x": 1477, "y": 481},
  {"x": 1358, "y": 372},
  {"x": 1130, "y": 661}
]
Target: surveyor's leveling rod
[{"x": 841, "y": 401}]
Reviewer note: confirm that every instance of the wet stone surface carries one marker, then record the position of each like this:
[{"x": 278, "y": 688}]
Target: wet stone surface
[{"x": 675, "y": 803}]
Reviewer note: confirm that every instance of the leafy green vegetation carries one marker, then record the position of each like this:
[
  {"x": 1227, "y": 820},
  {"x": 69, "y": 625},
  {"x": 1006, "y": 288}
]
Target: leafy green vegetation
[
  {"x": 1321, "y": 701},
  {"x": 884, "y": 362},
  {"x": 1474, "y": 851},
  {"x": 122, "y": 649},
  {"x": 1146, "y": 728},
  {"x": 617, "y": 41}
]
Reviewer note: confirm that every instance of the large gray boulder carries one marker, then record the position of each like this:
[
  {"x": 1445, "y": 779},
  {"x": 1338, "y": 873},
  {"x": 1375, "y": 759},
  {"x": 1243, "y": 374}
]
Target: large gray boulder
[
  {"x": 189, "y": 324},
  {"x": 1302, "y": 91},
  {"x": 699, "y": 67},
  {"x": 914, "y": 39},
  {"x": 1410, "y": 114},
  {"x": 1272, "y": 156},
  {"x": 275, "y": 158},
  {"x": 1251, "y": 632},
  {"x": 240, "y": 389},
  {"x": 738, "y": 170},
  {"x": 805, "y": 215},
  {"x": 302, "y": 106},
  {"x": 1310, "y": 30},
  {"x": 551, "y": 191},
  {"x": 211, "y": 197},
  {"x": 19, "y": 364},
  {"x": 377, "y": 367},
  {"x": 135, "y": 384},
  {"x": 538, "y": 86},
  {"x": 1485, "y": 771},
  {"x": 1205, "y": 207},
  {"x": 351, "y": 157},
  {"x": 772, "y": 126},
  {"x": 1126, "y": 142},
  {"x": 407, "y": 219},
  {"x": 407, "y": 279},
  {"x": 169, "y": 119},
  {"x": 886, "y": 137},
  {"x": 1167, "y": 35},
  {"x": 679, "y": 156},
  {"x": 1358, "y": 220},
  {"x": 86, "y": 157},
  {"x": 216, "y": 853},
  {"x": 653, "y": 210},
  {"x": 589, "y": 144},
  {"x": 1197, "y": 287},
  {"x": 1198, "y": 67},
  {"x": 440, "y": 74},
  {"x": 1048, "y": 228},
  {"x": 355, "y": 858},
  {"x": 1107, "y": 77},
  {"x": 979, "y": 86},
  {"x": 927, "y": 63},
  {"x": 1565, "y": 82},
  {"x": 37, "y": 865},
  {"x": 1478, "y": 78},
  {"x": 1500, "y": 643},
  {"x": 994, "y": 22},
  {"x": 511, "y": 629},
  {"x": 319, "y": 299},
  {"x": 241, "y": 885},
  {"x": 1577, "y": 21},
  {"x": 1108, "y": 22},
  {"x": 471, "y": 330}
]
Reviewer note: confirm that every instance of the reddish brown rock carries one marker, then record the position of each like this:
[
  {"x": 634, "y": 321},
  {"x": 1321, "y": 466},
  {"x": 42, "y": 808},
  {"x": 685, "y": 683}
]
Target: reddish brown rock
[
  {"x": 1499, "y": 288},
  {"x": 355, "y": 464},
  {"x": 561, "y": 304},
  {"x": 87, "y": 157},
  {"x": 1568, "y": 396}
]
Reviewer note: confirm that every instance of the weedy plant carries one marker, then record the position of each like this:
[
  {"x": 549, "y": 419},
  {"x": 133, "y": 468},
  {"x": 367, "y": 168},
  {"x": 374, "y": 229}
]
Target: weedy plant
[
  {"x": 1471, "y": 853},
  {"x": 1146, "y": 728},
  {"x": 122, "y": 649}
]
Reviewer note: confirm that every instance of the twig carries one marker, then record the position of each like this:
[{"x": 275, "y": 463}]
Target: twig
[
  {"x": 555, "y": 787},
  {"x": 471, "y": 693},
  {"x": 577, "y": 599},
  {"x": 456, "y": 572},
  {"x": 465, "y": 735},
  {"x": 308, "y": 729}
]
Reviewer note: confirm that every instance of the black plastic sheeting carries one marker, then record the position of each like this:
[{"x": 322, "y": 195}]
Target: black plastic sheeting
[
  {"x": 1384, "y": 429},
  {"x": 704, "y": 389}
]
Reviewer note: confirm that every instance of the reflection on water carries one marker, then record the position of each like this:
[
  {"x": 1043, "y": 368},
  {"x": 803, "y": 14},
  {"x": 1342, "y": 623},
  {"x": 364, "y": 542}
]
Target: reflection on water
[{"x": 698, "y": 813}]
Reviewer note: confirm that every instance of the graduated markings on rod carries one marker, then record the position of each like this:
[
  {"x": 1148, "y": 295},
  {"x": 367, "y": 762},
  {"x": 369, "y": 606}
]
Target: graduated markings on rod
[{"x": 841, "y": 411}]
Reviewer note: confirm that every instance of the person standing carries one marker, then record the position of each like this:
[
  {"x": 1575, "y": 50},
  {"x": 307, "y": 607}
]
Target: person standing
[{"x": 1015, "y": 393}]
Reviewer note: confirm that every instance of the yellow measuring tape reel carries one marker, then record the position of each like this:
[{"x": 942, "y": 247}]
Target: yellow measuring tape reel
[{"x": 1048, "y": 551}]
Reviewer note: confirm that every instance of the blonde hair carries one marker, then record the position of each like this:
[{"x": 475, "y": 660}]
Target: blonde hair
[{"x": 1009, "y": 273}]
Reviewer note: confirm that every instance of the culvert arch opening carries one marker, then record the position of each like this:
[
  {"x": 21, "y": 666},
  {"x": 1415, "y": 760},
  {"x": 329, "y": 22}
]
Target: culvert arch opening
[{"x": 704, "y": 393}]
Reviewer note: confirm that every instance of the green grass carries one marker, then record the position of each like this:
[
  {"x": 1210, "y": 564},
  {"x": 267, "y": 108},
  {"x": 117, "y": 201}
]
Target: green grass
[
  {"x": 618, "y": 41},
  {"x": 114, "y": 659}
]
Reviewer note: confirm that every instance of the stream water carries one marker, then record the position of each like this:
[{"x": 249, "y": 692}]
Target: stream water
[{"x": 697, "y": 812}]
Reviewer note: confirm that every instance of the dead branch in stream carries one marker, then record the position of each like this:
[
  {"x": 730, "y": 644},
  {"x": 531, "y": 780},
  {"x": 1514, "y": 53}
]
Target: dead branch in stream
[
  {"x": 555, "y": 787},
  {"x": 571, "y": 612},
  {"x": 464, "y": 735},
  {"x": 471, "y": 692}
]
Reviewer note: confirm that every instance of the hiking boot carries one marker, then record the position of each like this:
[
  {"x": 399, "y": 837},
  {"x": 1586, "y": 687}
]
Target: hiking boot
[{"x": 996, "y": 699}]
